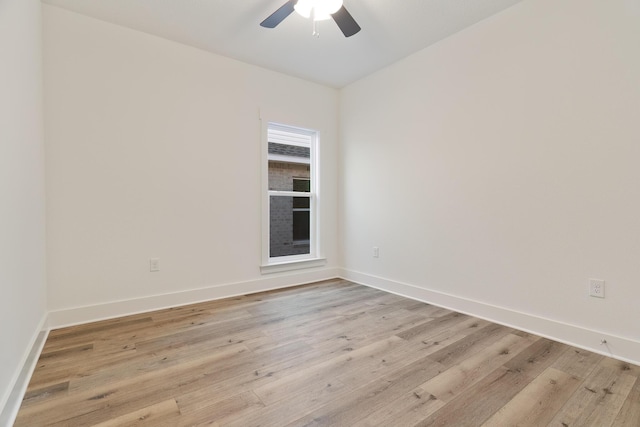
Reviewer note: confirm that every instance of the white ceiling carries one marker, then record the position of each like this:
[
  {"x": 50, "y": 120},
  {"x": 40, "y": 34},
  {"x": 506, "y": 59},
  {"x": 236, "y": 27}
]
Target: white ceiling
[{"x": 391, "y": 29}]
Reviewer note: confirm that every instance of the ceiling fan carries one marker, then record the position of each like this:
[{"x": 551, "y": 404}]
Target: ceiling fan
[{"x": 317, "y": 10}]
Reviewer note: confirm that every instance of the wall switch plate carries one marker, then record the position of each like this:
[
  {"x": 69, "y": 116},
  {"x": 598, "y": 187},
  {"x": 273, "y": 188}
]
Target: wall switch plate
[
  {"x": 376, "y": 252},
  {"x": 596, "y": 288},
  {"x": 154, "y": 265}
]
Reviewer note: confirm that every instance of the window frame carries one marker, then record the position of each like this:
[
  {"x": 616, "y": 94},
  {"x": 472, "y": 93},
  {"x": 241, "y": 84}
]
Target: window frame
[{"x": 291, "y": 262}]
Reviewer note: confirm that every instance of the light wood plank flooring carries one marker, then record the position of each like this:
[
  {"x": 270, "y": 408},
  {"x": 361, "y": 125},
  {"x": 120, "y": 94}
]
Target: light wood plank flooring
[{"x": 326, "y": 354}]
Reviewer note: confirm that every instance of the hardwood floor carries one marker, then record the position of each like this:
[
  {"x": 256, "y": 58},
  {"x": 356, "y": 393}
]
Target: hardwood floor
[{"x": 327, "y": 354}]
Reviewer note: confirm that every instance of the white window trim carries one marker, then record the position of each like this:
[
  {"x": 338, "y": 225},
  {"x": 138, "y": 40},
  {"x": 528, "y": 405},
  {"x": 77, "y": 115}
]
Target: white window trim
[{"x": 293, "y": 262}]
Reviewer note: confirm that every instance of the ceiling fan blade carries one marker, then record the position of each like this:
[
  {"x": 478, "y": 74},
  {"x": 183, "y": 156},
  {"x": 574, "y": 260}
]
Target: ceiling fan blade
[
  {"x": 278, "y": 16},
  {"x": 345, "y": 21}
]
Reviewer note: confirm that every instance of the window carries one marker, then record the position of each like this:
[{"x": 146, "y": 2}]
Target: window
[
  {"x": 301, "y": 213},
  {"x": 291, "y": 196}
]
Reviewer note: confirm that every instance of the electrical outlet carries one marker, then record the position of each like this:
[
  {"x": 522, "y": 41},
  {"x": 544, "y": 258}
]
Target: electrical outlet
[
  {"x": 154, "y": 265},
  {"x": 596, "y": 288},
  {"x": 376, "y": 252}
]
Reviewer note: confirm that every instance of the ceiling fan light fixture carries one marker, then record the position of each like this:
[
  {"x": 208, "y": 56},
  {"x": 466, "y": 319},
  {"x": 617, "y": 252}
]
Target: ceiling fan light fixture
[{"x": 319, "y": 10}]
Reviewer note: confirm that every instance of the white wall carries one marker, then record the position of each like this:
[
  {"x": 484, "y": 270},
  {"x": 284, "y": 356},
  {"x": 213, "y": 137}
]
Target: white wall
[
  {"x": 501, "y": 166},
  {"x": 153, "y": 150},
  {"x": 22, "y": 235}
]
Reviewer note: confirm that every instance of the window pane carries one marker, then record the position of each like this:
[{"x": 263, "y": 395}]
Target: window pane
[
  {"x": 301, "y": 202},
  {"x": 301, "y": 227},
  {"x": 302, "y": 184},
  {"x": 289, "y": 227},
  {"x": 289, "y": 150},
  {"x": 287, "y": 162}
]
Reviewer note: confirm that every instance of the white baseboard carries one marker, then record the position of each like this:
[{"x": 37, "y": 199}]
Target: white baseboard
[
  {"x": 620, "y": 348},
  {"x": 13, "y": 397},
  {"x": 109, "y": 310}
]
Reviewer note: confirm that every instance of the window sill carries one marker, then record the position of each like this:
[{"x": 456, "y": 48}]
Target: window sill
[{"x": 278, "y": 267}]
